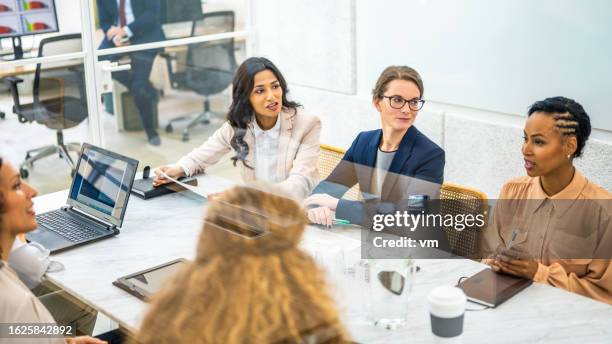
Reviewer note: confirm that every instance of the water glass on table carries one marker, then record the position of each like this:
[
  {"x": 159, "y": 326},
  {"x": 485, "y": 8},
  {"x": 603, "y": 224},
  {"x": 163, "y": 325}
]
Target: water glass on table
[{"x": 390, "y": 286}]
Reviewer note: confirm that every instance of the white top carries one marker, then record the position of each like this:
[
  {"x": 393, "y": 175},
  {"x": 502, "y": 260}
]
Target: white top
[
  {"x": 129, "y": 16},
  {"x": 19, "y": 305},
  {"x": 266, "y": 152}
]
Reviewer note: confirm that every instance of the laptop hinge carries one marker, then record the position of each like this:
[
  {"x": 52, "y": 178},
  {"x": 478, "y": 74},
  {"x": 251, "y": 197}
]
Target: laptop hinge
[{"x": 108, "y": 226}]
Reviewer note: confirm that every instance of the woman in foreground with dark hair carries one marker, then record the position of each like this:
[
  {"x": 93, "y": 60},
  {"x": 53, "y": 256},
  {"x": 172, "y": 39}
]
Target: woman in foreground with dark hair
[
  {"x": 554, "y": 226},
  {"x": 17, "y": 303},
  {"x": 271, "y": 140}
]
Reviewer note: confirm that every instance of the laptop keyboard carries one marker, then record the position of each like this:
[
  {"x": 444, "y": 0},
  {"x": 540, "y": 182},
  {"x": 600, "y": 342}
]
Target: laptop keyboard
[{"x": 65, "y": 225}]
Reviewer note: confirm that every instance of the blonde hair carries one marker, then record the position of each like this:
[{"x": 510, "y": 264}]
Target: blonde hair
[
  {"x": 394, "y": 73},
  {"x": 249, "y": 281}
]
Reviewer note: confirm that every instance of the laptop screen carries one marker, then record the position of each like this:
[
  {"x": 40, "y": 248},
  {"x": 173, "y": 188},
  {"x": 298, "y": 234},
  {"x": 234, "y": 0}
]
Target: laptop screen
[{"x": 102, "y": 183}]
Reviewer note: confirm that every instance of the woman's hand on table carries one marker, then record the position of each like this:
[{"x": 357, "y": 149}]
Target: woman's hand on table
[
  {"x": 322, "y": 200},
  {"x": 518, "y": 267},
  {"x": 172, "y": 171},
  {"x": 321, "y": 216}
]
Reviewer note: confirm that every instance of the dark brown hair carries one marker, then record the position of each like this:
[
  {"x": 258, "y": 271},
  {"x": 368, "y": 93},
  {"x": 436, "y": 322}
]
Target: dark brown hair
[
  {"x": 241, "y": 111},
  {"x": 393, "y": 73}
]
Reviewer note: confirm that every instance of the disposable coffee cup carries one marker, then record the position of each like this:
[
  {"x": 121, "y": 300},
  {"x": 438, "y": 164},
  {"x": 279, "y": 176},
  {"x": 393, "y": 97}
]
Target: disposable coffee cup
[{"x": 446, "y": 310}]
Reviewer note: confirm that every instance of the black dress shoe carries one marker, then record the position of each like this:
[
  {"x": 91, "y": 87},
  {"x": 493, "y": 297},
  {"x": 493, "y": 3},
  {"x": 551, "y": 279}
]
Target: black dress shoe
[{"x": 154, "y": 140}]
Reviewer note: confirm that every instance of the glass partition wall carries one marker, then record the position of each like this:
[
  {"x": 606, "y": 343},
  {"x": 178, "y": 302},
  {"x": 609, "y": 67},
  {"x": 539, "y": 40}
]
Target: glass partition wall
[{"x": 107, "y": 101}]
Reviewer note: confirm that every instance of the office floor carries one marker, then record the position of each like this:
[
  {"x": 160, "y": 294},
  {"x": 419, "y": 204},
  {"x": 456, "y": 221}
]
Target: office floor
[{"x": 52, "y": 174}]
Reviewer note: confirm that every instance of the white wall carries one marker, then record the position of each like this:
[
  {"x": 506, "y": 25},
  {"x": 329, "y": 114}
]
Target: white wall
[
  {"x": 482, "y": 147},
  {"x": 499, "y": 55}
]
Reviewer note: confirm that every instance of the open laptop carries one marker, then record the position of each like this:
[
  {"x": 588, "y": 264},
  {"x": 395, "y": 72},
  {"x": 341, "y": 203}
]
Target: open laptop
[{"x": 96, "y": 204}]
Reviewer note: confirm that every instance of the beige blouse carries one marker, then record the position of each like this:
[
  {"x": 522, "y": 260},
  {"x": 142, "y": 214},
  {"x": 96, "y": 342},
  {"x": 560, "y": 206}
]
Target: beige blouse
[
  {"x": 298, "y": 153},
  {"x": 569, "y": 234},
  {"x": 19, "y": 305}
]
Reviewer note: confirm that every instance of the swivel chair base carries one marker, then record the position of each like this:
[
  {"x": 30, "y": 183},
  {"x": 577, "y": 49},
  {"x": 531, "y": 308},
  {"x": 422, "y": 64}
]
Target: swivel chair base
[
  {"x": 201, "y": 118},
  {"x": 60, "y": 148}
]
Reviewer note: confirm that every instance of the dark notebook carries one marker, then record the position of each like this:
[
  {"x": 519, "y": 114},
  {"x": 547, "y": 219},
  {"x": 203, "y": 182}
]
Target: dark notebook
[
  {"x": 144, "y": 188},
  {"x": 491, "y": 289}
]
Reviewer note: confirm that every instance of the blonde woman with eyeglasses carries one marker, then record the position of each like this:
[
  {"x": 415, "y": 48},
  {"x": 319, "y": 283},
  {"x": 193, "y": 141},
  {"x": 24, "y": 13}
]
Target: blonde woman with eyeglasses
[{"x": 397, "y": 149}]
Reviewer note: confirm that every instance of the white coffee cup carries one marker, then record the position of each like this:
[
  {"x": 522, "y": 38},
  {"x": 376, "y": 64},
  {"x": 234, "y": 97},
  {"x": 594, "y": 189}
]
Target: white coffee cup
[{"x": 446, "y": 309}]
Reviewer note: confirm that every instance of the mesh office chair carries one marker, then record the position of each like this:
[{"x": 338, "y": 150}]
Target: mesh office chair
[
  {"x": 457, "y": 199},
  {"x": 59, "y": 100},
  {"x": 210, "y": 66},
  {"x": 328, "y": 160}
]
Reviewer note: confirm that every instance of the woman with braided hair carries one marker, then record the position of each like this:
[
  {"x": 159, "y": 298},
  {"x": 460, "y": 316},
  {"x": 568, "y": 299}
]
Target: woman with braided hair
[
  {"x": 249, "y": 282},
  {"x": 554, "y": 226}
]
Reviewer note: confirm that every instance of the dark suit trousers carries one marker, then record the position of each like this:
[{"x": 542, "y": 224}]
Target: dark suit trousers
[{"x": 137, "y": 82}]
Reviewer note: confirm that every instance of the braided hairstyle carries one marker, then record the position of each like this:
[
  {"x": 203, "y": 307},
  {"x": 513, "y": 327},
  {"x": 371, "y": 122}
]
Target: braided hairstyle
[{"x": 570, "y": 118}]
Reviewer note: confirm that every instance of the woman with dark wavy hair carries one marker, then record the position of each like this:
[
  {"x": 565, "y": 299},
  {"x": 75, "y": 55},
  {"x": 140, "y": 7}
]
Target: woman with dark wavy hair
[
  {"x": 17, "y": 303},
  {"x": 272, "y": 141}
]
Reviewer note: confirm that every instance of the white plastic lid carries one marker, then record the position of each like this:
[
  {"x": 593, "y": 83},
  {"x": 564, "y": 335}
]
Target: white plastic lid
[{"x": 446, "y": 301}]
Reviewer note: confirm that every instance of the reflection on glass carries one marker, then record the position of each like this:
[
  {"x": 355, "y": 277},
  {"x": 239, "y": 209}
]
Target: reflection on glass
[
  {"x": 153, "y": 281},
  {"x": 103, "y": 182},
  {"x": 188, "y": 86},
  {"x": 127, "y": 23}
]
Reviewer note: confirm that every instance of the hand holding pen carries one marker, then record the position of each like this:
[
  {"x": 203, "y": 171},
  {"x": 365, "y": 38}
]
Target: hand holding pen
[{"x": 515, "y": 262}]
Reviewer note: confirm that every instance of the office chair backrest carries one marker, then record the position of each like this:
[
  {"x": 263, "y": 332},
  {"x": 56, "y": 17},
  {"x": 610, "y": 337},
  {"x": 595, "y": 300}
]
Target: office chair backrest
[
  {"x": 211, "y": 65},
  {"x": 457, "y": 199},
  {"x": 60, "y": 44},
  {"x": 328, "y": 160},
  {"x": 59, "y": 98},
  {"x": 51, "y": 80}
]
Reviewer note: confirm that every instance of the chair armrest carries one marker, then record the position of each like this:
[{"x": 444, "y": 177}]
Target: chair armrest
[
  {"x": 13, "y": 81},
  {"x": 169, "y": 57}
]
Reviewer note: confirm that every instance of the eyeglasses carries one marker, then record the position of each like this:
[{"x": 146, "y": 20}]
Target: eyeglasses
[{"x": 398, "y": 102}]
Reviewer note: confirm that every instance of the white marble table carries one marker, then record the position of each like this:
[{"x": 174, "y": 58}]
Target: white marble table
[{"x": 159, "y": 230}]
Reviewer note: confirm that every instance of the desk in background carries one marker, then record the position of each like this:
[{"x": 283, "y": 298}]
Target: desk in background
[{"x": 165, "y": 228}]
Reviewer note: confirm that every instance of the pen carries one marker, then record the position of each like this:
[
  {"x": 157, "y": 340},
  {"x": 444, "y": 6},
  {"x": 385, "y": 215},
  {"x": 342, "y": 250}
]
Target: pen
[
  {"x": 341, "y": 222},
  {"x": 511, "y": 239}
]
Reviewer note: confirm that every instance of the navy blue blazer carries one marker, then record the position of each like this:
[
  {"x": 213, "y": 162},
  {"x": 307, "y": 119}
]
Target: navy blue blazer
[
  {"x": 417, "y": 157},
  {"x": 146, "y": 26}
]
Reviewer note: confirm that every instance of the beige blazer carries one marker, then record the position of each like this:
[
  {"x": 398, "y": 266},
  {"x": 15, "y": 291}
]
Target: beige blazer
[
  {"x": 19, "y": 305},
  {"x": 298, "y": 153}
]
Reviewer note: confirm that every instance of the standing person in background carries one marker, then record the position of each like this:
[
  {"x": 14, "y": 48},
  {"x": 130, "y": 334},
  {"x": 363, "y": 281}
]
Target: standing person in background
[
  {"x": 272, "y": 141},
  {"x": 126, "y": 22},
  {"x": 554, "y": 226},
  {"x": 249, "y": 282}
]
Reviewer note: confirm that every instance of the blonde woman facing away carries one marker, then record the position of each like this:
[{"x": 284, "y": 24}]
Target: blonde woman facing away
[{"x": 249, "y": 282}]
